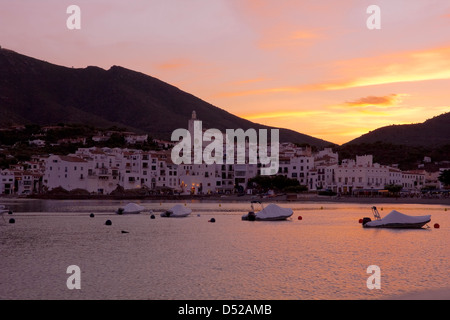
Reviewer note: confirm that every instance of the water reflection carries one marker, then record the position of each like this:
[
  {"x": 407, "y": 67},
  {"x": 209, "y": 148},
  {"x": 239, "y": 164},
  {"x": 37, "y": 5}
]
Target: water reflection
[{"x": 323, "y": 256}]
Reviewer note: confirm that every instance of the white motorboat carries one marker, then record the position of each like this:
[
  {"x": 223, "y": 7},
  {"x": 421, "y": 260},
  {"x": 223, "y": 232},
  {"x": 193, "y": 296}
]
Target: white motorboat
[
  {"x": 395, "y": 219},
  {"x": 272, "y": 212},
  {"x": 130, "y": 208},
  {"x": 3, "y": 209},
  {"x": 177, "y": 211}
]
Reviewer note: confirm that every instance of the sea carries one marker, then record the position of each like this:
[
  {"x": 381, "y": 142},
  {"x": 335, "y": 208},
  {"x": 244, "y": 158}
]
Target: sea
[{"x": 320, "y": 253}]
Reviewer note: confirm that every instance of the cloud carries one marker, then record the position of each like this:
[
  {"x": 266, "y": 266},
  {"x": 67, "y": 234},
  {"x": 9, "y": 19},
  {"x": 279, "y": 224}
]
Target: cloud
[
  {"x": 173, "y": 64},
  {"x": 281, "y": 114},
  {"x": 248, "y": 81},
  {"x": 283, "y": 36},
  {"x": 413, "y": 66},
  {"x": 380, "y": 101},
  {"x": 410, "y": 66}
]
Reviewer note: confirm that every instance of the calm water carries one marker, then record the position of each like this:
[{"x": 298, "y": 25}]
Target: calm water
[{"x": 323, "y": 256}]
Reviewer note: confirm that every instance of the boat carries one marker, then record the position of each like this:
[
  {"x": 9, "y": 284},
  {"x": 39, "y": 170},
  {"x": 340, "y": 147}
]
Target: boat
[
  {"x": 130, "y": 208},
  {"x": 272, "y": 212},
  {"x": 395, "y": 219},
  {"x": 3, "y": 210},
  {"x": 177, "y": 211}
]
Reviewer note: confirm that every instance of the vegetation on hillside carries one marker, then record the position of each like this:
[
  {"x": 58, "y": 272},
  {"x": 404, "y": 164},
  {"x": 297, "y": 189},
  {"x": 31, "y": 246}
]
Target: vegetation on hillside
[{"x": 407, "y": 157}]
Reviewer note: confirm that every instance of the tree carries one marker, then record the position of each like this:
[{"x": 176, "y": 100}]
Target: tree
[
  {"x": 278, "y": 183},
  {"x": 393, "y": 188},
  {"x": 444, "y": 177}
]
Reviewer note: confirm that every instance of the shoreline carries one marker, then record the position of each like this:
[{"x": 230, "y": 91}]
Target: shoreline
[{"x": 243, "y": 198}]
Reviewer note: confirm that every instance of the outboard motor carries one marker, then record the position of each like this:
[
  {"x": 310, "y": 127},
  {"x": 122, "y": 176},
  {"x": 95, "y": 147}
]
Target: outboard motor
[
  {"x": 251, "y": 216},
  {"x": 365, "y": 220}
]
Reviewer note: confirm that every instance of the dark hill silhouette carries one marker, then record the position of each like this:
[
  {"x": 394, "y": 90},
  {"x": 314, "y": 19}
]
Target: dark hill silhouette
[
  {"x": 38, "y": 92},
  {"x": 431, "y": 133}
]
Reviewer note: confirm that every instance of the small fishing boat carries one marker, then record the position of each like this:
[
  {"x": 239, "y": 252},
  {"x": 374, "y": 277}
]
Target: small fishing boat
[
  {"x": 177, "y": 211},
  {"x": 272, "y": 212},
  {"x": 131, "y": 208},
  {"x": 395, "y": 219}
]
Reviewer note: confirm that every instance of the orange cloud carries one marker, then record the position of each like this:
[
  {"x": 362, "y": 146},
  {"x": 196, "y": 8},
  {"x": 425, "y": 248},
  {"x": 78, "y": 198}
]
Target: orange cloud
[
  {"x": 414, "y": 66},
  {"x": 281, "y": 114},
  {"x": 173, "y": 64},
  {"x": 283, "y": 36},
  {"x": 241, "y": 82},
  {"x": 385, "y": 101},
  {"x": 258, "y": 92}
]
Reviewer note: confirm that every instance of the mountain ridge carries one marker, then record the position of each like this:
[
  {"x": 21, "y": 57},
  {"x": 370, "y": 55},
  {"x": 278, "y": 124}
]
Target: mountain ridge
[
  {"x": 433, "y": 132},
  {"x": 39, "y": 92}
]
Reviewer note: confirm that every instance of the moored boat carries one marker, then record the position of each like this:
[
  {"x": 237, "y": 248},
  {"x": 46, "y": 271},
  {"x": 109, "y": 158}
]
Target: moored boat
[
  {"x": 177, "y": 211},
  {"x": 396, "y": 219},
  {"x": 131, "y": 208},
  {"x": 272, "y": 212}
]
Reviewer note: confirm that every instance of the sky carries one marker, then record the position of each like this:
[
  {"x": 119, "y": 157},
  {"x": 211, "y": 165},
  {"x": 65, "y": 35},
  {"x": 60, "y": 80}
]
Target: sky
[{"x": 311, "y": 66}]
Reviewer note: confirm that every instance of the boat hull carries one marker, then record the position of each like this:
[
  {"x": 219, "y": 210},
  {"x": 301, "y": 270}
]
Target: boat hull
[
  {"x": 128, "y": 212},
  {"x": 417, "y": 225},
  {"x": 169, "y": 215},
  {"x": 247, "y": 218}
]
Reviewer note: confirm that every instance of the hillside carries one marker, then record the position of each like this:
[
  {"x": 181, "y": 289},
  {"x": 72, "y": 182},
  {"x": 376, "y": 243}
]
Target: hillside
[
  {"x": 38, "y": 92},
  {"x": 434, "y": 132}
]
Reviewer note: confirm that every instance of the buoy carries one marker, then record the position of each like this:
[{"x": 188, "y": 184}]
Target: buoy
[
  {"x": 185, "y": 204},
  {"x": 437, "y": 226},
  {"x": 91, "y": 215},
  {"x": 108, "y": 222},
  {"x": 321, "y": 208},
  {"x": 212, "y": 220},
  {"x": 381, "y": 209},
  {"x": 12, "y": 221},
  {"x": 220, "y": 205},
  {"x": 299, "y": 218},
  {"x": 360, "y": 220},
  {"x": 445, "y": 209},
  {"x": 152, "y": 216}
]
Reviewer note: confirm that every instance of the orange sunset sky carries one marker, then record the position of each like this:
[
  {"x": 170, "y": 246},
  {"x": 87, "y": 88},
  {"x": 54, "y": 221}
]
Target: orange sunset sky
[{"x": 310, "y": 66}]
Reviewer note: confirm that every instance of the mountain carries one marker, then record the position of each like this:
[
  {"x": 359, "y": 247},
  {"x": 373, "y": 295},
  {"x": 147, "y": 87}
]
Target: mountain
[
  {"x": 38, "y": 92},
  {"x": 434, "y": 132}
]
